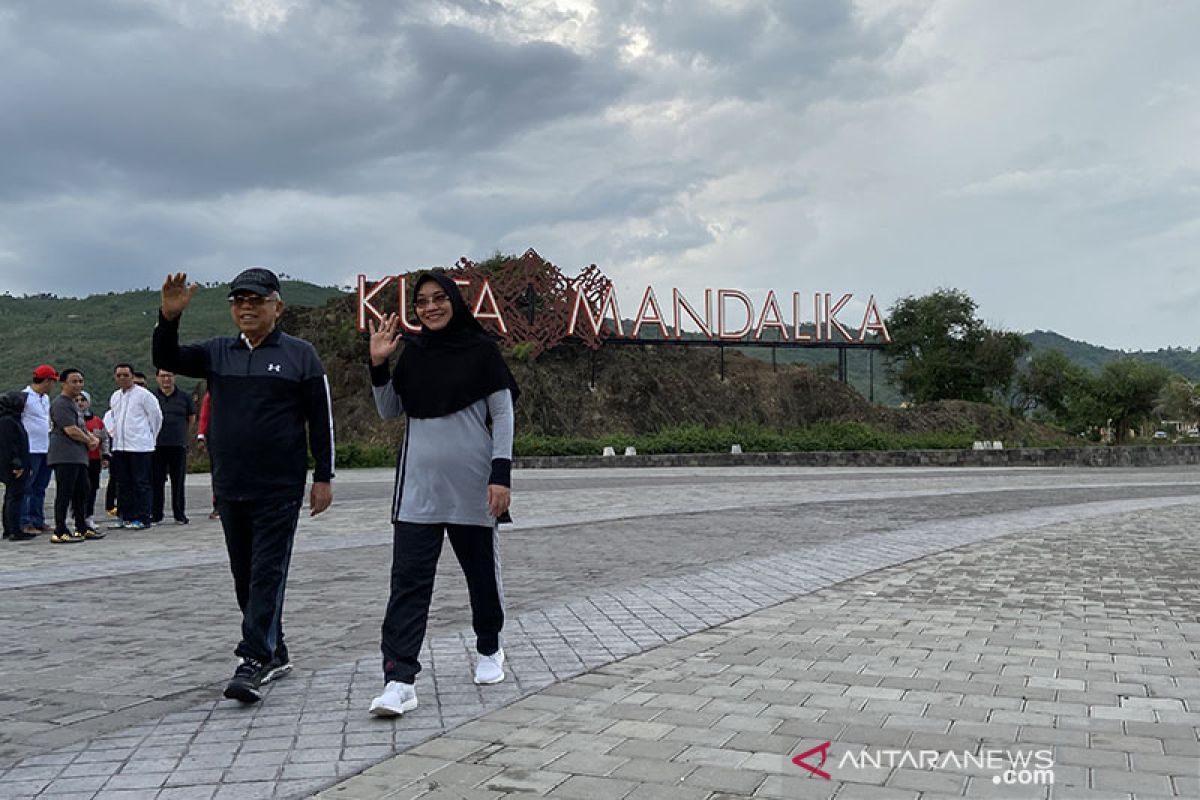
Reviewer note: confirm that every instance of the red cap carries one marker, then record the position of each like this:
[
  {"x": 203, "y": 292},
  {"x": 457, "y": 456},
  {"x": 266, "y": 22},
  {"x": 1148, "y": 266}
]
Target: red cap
[{"x": 45, "y": 371}]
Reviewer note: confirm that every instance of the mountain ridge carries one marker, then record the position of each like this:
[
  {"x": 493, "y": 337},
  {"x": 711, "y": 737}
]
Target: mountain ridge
[
  {"x": 95, "y": 332},
  {"x": 92, "y": 333}
]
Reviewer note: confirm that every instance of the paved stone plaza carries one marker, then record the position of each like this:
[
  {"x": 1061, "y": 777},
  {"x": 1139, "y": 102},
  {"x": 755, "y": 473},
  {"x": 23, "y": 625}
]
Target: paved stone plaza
[{"x": 672, "y": 633}]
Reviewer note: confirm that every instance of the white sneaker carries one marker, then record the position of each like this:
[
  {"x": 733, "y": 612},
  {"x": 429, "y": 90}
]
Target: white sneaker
[
  {"x": 490, "y": 669},
  {"x": 397, "y": 698}
]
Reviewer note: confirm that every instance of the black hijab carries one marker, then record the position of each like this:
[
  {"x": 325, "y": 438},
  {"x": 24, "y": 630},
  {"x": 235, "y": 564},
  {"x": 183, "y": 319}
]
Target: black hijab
[
  {"x": 441, "y": 372},
  {"x": 12, "y": 404}
]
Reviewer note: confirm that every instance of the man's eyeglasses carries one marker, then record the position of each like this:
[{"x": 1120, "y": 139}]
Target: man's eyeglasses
[
  {"x": 248, "y": 300},
  {"x": 434, "y": 300}
]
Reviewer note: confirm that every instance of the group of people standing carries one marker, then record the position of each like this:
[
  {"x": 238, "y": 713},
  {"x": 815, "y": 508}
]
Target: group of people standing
[
  {"x": 142, "y": 439},
  {"x": 271, "y": 407}
]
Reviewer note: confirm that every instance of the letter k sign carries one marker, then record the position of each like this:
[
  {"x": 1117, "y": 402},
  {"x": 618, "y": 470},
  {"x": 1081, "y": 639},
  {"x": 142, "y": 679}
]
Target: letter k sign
[
  {"x": 274, "y": 368},
  {"x": 823, "y": 749}
]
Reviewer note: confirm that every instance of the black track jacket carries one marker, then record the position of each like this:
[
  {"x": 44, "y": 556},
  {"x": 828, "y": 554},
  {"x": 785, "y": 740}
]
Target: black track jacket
[{"x": 262, "y": 402}]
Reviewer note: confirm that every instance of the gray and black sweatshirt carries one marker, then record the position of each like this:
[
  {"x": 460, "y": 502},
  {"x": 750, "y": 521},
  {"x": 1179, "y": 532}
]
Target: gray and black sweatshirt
[{"x": 446, "y": 463}]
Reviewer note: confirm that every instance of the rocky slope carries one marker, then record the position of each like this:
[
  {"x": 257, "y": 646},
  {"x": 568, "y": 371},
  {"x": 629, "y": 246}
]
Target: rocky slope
[{"x": 640, "y": 389}]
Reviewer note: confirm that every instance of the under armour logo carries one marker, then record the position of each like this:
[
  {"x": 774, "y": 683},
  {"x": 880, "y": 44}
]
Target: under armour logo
[{"x": 274, "y": 368}]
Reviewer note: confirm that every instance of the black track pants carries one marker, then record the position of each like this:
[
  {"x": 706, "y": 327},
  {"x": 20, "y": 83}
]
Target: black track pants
[
  {"x": 258, "y": 537},
  {"x": 415, "y": 551}
]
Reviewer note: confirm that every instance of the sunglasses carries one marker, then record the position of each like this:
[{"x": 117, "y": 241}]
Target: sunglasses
[{"x": 248, "y": 300}]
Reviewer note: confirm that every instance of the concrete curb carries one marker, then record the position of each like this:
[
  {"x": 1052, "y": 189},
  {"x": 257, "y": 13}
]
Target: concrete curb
[{"x": 1157, "y": 456}]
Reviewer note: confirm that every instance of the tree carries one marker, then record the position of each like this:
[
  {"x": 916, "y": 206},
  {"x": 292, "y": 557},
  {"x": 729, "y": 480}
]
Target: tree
[
  {"x": 941, "y": 351},
  {"x": 1128, "y": 392},
  {"x": 1179, "y": 401},
  {"x": 1049, "y": 383},
  {"x": 996, "y": 358}
]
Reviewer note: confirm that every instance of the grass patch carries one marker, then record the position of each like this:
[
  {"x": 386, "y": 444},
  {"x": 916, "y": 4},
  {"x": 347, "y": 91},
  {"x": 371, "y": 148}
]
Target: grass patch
[
  {"x": 824, "y": 436},
  {"x": 753, "y": 439}
]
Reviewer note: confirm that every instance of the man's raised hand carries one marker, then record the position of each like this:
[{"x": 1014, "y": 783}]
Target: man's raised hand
[{"x": 176, "y": 294}]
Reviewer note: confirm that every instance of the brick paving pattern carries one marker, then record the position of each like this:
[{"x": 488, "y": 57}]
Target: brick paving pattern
[
  {"x": 1079, "y": 640},
  {"x": 642, "y": 667}
]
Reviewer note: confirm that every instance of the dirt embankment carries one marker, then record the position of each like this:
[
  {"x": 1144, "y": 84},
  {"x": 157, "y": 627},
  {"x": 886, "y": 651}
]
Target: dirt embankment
[{"x": 643, "y": 389}]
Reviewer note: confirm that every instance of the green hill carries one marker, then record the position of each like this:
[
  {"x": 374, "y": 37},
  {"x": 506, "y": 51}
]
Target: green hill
[
  {"x": 93, "y": 333},
  {"x": 1093, "y": 357},
  {"x": 1177, "y": 359}
]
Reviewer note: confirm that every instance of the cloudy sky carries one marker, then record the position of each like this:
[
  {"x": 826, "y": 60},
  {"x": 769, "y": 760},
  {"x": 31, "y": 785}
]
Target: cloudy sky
[{"x": 1040, "y": 156}]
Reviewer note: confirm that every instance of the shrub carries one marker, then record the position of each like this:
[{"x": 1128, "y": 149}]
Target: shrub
[{"x": 752, "y": 438}]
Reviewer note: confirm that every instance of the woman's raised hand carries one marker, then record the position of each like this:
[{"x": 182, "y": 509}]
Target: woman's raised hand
[{"x": 385, "y": 338}]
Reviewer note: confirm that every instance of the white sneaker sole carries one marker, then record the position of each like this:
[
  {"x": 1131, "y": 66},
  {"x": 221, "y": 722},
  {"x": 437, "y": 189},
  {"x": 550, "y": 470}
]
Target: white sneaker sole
[
  {"x": 378, "y": 709},
  {"x": 481, "y": 682}
]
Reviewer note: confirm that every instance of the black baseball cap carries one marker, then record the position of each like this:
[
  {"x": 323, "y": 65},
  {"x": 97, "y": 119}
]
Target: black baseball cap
[{"x": 259, "y": 280}]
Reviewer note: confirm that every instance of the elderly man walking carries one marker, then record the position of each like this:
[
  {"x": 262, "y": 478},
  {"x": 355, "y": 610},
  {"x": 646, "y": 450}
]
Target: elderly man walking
[
  {"x": 136, "y": 419},
  {"x": 270, "y": 406}
]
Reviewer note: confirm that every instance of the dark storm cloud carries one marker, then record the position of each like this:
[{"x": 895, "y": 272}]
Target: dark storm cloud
[
  {"x": 178, "y": 110},
  {"x": 793, "y": 50},
  {"x": 635, "y": 192},
  {"x": 145, "y": 137},
  {"x": 902, "y": 145},
  {"x": 472, "y": 92}
]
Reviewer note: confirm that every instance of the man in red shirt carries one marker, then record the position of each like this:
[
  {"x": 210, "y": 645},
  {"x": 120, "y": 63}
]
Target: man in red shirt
[{"x": 202, "y": 438}]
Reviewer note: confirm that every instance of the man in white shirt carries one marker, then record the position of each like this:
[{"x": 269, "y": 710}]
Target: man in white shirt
[
  {"x": 36, "y": 419},
  {"x": 136, "y": 419}
]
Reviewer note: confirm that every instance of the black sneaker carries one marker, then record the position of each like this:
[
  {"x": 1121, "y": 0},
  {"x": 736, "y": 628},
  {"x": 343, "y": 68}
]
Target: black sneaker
[
  {"x": 246, "y": 680},
  {"x": 279, "y": 667}
]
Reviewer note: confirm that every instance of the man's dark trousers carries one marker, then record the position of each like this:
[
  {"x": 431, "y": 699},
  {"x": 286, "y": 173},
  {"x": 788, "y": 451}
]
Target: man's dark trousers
[
  {"x": 258, "y": 537},
  {"x": 70, "y": 490},
  {"x": 169, "y": 462},
  {"x": 110, "y": 491},
  {"x": 132, "y": 471},
  {"x": 415, "y": 551},
  {"x": 14, "y": 500},
  {"x": 33, "y": 514},
  {"x": 95, "y": 466}
]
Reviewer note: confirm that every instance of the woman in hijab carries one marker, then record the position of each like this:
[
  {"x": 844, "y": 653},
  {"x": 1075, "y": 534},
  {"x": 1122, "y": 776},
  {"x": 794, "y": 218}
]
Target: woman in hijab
[
  {"x": 14, "y": 463},
  {"x": 452, "y": 478},
  {"x": 98, "y": 458}
]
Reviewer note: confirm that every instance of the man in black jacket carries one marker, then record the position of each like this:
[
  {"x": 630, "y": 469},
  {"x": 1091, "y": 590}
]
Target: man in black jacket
[
  {"x": 14, "y": 464},
  {"x": 170, "y": 450},
  {"x": 270, "y": 406}
]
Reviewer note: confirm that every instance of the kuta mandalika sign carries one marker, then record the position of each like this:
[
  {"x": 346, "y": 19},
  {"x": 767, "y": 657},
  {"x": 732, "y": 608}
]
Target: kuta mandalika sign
[{"x": 529, "y": 300}]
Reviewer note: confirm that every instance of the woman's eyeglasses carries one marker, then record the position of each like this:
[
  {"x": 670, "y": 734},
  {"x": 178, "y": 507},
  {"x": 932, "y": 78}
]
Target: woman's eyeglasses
[{"x": 434, "y": 300}]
